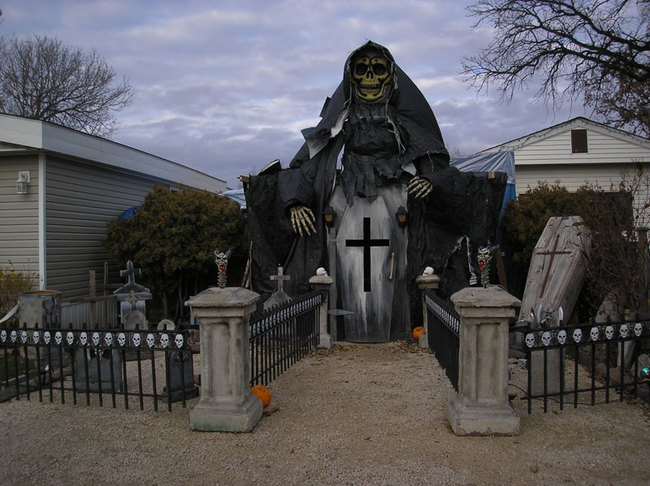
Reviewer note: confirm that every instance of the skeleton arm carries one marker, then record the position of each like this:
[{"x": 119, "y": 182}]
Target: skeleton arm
[{"x": 302, "y": 220}]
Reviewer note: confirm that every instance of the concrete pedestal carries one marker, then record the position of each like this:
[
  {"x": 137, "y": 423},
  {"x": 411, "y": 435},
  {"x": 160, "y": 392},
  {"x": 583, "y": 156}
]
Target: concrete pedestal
[
  {"x": 226, "y": 402},
  {"x": 323, "y": 283},
  {"x": 481, "y": 406}
]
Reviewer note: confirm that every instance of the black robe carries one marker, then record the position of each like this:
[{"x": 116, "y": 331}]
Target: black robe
[{"x": 460, "y": 205}]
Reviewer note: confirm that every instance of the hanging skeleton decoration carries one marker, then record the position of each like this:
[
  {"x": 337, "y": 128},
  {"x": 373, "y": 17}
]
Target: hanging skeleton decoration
[
  {"x": 484, "y": 258},
  {"x": 221, "y": 259}
]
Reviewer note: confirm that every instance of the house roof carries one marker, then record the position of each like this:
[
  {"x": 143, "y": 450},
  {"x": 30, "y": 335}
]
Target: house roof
[
  {"x": 25, "y": 134},
  {"x": 574, "y": 123}
]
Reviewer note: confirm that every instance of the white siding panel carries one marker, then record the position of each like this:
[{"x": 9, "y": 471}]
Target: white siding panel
[
  {"x": 19, "y": 215},
  {"x": 81, "y": 200}
]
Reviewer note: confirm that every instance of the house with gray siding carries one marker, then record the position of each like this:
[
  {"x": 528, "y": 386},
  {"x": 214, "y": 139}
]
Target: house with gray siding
[
  {"x": 576, "y": 152},
  {"x": 58, "y": 190}
]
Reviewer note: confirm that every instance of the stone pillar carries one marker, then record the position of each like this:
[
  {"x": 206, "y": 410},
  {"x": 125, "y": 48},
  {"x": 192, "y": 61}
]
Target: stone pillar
[
  {"x": 226, "y": 403},
  {"x": 481, "y": 406},
  {"x": 322, "y": 282},
  {"x": 426, "y": 282}
]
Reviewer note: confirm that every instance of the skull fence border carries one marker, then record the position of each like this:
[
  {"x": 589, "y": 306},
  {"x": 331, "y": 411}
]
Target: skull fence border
[
  {"x": 97, "y": 363},
  {"x": 443, "y": 333},
  {"x": 608, "y": 340}
]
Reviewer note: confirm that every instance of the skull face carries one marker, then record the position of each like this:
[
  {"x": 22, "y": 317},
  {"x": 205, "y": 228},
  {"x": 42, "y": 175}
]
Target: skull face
[
  {"x": 561, "y": 337},
  {"x": 594, "y": 333},
  {"x": 609, "y": 332},
  {"x": 108, "y": 339},
  {"x": 164, "y": 340},
  {"x": 23, "y": 336},
  {"x": 83, "y": 338},
  {"x": 638, "y": 329},
  {"x": 577, "y": 335},
  {"x": 150, "y": 340},
  {"x": 70, "y": 338},
  {"x": 624, "y": 331},
  {"x": 530, "y": 340},
  {"x": 14, "y": 336},
  {"x": 121, "y": 339},
  {"x": 58, "y": 338},
  {"x": 47, "y": 337},
  {"x": 372, "y": 74},
  {"x": 96, "y": 339},
  {"x": 137, "y": 339},
  {"x": 179, "y": 340},
  {"x": 3, "y": 335},
  {"x": 546, "y": 338},
  {"x": 36, "y": 336}
]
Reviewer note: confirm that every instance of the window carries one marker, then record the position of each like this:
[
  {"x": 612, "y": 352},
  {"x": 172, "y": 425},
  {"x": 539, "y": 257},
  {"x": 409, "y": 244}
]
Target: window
[{"x": 579, "y": 141}]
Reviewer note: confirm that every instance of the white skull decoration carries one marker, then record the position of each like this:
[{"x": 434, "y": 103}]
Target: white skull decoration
[
  {"x": 47, "y": 337},
  {"x": 121, "y": 339},
  {"x": 372, "y": 75},
  {"x": 638, "y": 329},
  {"x": 108, "y": 338},
  {"x": 546, "y": 338},
  {"x": 96, "y": 339},
  {"x": 561, "y": 337},
  {"x": 530, "y": 340},
  {"x": 594, "y": 333},
  {"x": 3, "y": 335},
  {"x": 179, "y": 340},
  {"x": 577, "y": 335},
  {"x": 624, "y": 331},
  {"x": 83, "y": 338},
  {"x": 69, "y": 338},
  {"x": 150, "y": 340},
  {"x": 36, "y": 336},
  {"x": 14, "y": 336},
  {"x": 23, "y": 336},
  {"x": 58, "y": 338},
  {"x": 609, "y": 332},
  {"x": 137, "y": 339},
  {"x": 164, "y": 340}
]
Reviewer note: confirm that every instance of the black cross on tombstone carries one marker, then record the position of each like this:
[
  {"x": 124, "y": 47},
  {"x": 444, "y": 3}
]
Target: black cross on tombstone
[{"x": 366, "y": 243}]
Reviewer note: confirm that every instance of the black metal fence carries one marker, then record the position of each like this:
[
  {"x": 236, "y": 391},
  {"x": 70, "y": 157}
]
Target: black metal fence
[
  {"x": 282, "y": 335},
  {"x": 96, "y": 366},
  {"x": 596, "y": 361},
  {"x": 444, "y": 334}
]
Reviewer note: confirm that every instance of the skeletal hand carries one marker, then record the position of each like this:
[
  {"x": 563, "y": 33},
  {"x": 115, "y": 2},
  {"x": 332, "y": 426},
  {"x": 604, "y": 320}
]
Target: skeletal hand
[
  {"x": 302, "y": 220},
  {"x": 419, "y": 187}
]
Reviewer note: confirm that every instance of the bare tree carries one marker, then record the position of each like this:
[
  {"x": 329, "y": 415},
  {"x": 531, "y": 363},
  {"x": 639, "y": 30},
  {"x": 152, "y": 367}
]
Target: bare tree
[
  {"x": 597, "y": 51},
  {"x": 41, "y": 78}
]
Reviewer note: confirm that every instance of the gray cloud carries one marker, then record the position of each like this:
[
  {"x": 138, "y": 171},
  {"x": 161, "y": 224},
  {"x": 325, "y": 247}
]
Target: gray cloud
[{"x": 225, "y": 87}]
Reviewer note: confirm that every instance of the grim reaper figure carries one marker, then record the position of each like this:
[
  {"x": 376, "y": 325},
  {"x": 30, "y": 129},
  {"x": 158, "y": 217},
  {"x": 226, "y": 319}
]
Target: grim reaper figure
[{"x": 392, "y": 160}]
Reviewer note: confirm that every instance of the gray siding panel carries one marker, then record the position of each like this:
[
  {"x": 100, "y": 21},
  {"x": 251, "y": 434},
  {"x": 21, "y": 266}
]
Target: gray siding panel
[
  {"x": 81, "y": 200},
  {"x": 19, "y": 215}
]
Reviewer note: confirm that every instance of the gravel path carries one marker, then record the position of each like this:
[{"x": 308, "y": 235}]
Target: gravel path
[{"x": 357, "y": 414}]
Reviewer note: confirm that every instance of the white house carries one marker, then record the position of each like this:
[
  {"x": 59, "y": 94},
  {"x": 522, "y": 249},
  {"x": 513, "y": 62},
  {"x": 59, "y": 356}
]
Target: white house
[
  {"x": 58, "y": 190},
  {"x": 576, "y": 152}
]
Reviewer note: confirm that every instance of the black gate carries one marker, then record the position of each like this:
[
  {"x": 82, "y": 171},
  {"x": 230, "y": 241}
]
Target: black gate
[
  {"x": 95, "y": 366},
  {"x": 444, "y": 334},
  {"x": 597, "y": 361}
]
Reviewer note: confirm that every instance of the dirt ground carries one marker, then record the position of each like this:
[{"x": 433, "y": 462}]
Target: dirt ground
[{"x": 356, "y": 414}]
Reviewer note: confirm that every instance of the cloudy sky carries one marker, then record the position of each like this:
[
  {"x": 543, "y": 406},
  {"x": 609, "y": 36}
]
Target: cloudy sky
[{"x": 225, "y": 87}]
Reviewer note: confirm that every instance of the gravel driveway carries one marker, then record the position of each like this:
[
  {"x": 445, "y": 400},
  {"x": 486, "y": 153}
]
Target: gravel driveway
[{"x": 357, "y": 414}]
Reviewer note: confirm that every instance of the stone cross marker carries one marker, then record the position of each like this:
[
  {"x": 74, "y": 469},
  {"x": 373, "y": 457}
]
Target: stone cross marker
[
  {"x": 130, "y": 272},
  {"x": 280, "y": 278}
]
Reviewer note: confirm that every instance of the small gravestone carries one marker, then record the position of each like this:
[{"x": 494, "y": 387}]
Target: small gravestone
[
  {"x": 180, "y": 367},
  {"x": 98, "y": 367},
  {"x": 555, "y": 279},
  {"x": 132, "y": 297},
  {"x": 279, "y": 296}
]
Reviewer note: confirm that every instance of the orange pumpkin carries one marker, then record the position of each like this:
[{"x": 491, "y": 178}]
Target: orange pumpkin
[
  {"x": 417, "y": 332},
  {"x": 263, "y": 393}
]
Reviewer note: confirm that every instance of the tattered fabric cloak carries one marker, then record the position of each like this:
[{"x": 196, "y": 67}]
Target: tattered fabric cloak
[{"x": 444, "y": 229}]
